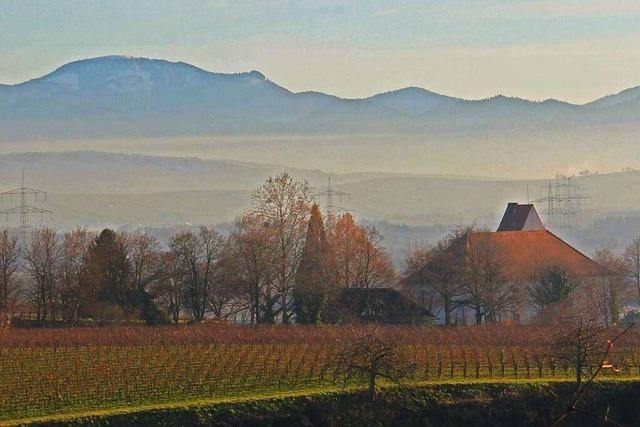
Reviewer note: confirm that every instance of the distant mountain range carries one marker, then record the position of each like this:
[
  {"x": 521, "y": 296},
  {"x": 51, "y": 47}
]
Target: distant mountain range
[
  {"x": 117, "y": 96},
  {"x": 155, "y": 107}
]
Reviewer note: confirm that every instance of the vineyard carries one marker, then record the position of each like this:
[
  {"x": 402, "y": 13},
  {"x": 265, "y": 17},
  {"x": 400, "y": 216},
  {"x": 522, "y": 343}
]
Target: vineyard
[{"x": 81, "y": 369}]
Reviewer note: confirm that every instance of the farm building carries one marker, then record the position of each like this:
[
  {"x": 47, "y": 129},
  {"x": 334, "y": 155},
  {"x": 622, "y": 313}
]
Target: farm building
[
  {"x": 380, "y": 305},
  {"x": 524, "y": 248}
]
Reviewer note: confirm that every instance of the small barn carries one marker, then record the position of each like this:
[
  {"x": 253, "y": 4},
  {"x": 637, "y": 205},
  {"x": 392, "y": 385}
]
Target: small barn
[{"x": 381, "y": 305}]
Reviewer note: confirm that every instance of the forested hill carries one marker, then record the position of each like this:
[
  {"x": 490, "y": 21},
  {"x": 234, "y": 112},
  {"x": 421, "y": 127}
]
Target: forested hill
[{"x": 118, "y": 95}]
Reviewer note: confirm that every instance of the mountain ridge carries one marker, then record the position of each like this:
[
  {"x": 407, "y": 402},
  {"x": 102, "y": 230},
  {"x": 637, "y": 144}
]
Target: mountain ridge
[
  {"x": 256, "y": 73},
  {"x": 406, "y": 130}
]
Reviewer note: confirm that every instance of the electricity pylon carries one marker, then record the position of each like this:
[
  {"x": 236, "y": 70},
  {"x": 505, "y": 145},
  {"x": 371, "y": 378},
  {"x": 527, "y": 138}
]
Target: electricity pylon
[
  {"x": 24, "y": 210},
  {"x": 330, "y": 193}
]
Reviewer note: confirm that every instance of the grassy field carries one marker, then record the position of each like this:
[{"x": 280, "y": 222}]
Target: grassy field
[
  {"x": 471, "y": 402},
  {"x": 44, "y": 372}
]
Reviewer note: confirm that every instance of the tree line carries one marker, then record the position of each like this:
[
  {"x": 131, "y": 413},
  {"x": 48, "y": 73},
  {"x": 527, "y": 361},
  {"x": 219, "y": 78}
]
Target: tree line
[{"x": 282, "y": 262}]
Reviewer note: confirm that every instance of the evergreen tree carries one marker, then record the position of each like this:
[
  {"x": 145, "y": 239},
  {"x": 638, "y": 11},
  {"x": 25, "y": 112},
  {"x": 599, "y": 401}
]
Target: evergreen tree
[
  {"x": 313, "y": 277},
  {"x": 108, "y": 274},
  {"x": 552, "y": 286}
]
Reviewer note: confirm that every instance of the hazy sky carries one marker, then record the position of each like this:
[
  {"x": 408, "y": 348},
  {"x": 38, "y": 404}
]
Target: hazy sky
[{"x": 575, "y": 50}]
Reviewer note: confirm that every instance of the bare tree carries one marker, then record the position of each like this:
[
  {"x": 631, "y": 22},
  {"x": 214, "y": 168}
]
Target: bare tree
[
  {"x": 143, "y": 252},
  {"x": 373, "y": 266},
  {"x": 9, "y": 283},
  {"x": 613, "y": 288},
  {"x": 169, "y": 289},
  {"x": 444, "y": 272},
  {"x": 42, "y": 261},
  {"x": 343, "y": 236},
  {"x": 253, "y": 270},
  {"x": 283, "y": 205},
  {"x": 631, "y": 258},
  {"x": 490, "y": 291},
  {"x": 579, "y": 342},
  {"x": 374, "y": 354},
  {"x": 226, "y": 298},
  {"x": 74, "y": 253},
  {"x": 200, "y": 260},
  {"x": 582, "y": 342},
  {"x": 416, "y": 279}
]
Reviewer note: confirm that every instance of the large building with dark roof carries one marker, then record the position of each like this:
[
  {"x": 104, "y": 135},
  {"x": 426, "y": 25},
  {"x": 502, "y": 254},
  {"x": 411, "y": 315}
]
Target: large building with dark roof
[
  {"x": 528, "y": 252},
  {"x": 526, "y": 248}
]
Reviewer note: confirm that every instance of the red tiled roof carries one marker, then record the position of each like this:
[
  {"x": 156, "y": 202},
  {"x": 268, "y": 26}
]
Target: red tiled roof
[{"x": 527, "y": 252}]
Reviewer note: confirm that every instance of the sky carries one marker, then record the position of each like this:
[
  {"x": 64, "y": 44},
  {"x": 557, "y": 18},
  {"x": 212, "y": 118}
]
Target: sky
[{"x": 574, "y": 50}]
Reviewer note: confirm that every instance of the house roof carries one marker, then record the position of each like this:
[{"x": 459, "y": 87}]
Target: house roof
[
  {"x": 389, "y": 303},
  {"x": 519, "y": 217},
  {"x": 528, "y": 252}
]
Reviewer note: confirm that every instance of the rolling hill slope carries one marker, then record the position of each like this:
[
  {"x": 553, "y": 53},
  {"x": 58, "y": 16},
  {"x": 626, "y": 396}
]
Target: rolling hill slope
[{"x": 94, "y": 187}]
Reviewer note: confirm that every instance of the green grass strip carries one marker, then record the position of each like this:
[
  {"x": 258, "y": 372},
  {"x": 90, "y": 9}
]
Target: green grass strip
[{"x": 196, "y": 403}]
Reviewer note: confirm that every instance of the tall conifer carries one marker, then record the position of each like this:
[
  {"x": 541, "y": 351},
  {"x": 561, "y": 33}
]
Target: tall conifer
[{"x": 313, "y": 277}]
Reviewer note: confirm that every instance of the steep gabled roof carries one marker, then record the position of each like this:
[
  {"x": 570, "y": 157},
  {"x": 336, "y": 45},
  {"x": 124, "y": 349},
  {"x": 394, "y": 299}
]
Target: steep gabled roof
[
  {"x": 519, "y": 217},
  {"x": 526, "y": 253}
]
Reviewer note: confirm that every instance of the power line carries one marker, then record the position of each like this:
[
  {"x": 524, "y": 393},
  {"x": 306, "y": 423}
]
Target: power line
[
  {"x": 331, "y": 194},
  {"x": 563, "y": 202},
  {"x": 24, "y": 210}
]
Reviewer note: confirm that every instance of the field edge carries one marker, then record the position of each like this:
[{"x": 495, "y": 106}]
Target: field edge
[{"x": 199, "y": 404}]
